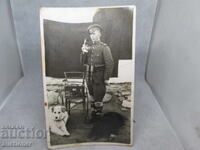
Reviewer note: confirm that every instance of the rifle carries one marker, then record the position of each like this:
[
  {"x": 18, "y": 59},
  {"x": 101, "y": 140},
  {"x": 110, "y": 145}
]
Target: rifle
[{"x": 89, "y": 68}]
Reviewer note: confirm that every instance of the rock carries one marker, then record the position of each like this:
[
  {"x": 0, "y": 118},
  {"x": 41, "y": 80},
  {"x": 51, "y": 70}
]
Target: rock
[
  {"x": 115, "y": 93},
  {"x": 53, "y": 98},
  {"x": 54, "y": 81},
  {"x": 126, "y": 104},
  {"x": 118, "y": 93},
  {"x": 124, "y": 109},
  {"x": 129, "y": 98},
  {"x": 126, "y": 92},
  {"x": 113, "y": 88},
  {"x": 120, "y": 89},
  {"x": 121, "y": 99},
  {"x": 107, "y": 98},
  {"x": 127, "y": 85}
]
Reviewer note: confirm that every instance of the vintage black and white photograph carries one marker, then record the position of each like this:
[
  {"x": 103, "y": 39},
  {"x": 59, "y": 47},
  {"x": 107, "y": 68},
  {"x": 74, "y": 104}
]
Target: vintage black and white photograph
[{"x": 88, "y": 57}]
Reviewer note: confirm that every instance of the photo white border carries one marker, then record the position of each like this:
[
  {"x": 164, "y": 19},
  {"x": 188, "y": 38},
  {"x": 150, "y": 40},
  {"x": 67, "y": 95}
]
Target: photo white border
[{"x": 44, "y": 80}]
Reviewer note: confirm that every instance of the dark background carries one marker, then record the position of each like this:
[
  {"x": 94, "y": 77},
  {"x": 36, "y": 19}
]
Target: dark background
[{"x": 63, "y": 41}]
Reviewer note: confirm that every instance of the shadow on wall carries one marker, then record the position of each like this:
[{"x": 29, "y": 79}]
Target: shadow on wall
[{"x": 63, "y": 41}]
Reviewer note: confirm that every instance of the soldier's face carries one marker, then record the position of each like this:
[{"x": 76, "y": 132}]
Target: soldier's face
[{"x": 95, "y": 35}]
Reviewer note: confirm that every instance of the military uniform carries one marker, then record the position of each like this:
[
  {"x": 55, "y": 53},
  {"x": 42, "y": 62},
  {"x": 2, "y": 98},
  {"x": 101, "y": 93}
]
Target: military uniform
[{"x": 99, "y": 65}]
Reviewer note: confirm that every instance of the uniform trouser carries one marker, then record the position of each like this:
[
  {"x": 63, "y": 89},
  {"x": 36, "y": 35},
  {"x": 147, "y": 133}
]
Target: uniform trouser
[{"x": 97, "y": 86}]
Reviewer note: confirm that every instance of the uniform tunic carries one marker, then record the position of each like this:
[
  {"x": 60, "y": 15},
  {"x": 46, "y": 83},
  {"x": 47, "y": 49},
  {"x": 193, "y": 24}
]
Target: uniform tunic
[{"x": 99, "y": 56}]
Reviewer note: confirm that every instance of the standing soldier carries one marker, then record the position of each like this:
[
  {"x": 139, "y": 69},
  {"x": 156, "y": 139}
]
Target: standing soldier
[{"x": 99, "y": 66}]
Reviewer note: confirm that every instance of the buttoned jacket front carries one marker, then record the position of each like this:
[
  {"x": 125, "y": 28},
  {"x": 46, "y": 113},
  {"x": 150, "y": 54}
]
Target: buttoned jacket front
[{"x": 98, "y": 55}]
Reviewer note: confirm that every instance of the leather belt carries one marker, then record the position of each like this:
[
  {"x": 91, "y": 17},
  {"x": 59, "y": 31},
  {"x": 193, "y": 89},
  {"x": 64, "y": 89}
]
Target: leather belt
[{"x": 91, "y": 68}]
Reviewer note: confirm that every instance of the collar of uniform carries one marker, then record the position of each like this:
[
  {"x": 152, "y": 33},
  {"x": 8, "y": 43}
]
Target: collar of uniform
[{"x": 97, "y": 42}]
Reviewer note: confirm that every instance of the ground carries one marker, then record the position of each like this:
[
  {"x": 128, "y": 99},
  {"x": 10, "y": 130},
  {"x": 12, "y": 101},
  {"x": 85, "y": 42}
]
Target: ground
[{"x": 79, "y": 128}]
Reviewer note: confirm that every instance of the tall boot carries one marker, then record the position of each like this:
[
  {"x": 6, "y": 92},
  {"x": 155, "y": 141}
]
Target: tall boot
[
  {"x": 96, "y": 111},
  {"x": 98, "y": 108}
]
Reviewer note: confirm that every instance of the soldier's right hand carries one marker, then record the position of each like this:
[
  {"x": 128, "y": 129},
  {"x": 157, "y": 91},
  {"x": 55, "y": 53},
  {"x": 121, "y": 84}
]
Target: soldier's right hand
[{"x": 85, "y": 48}]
